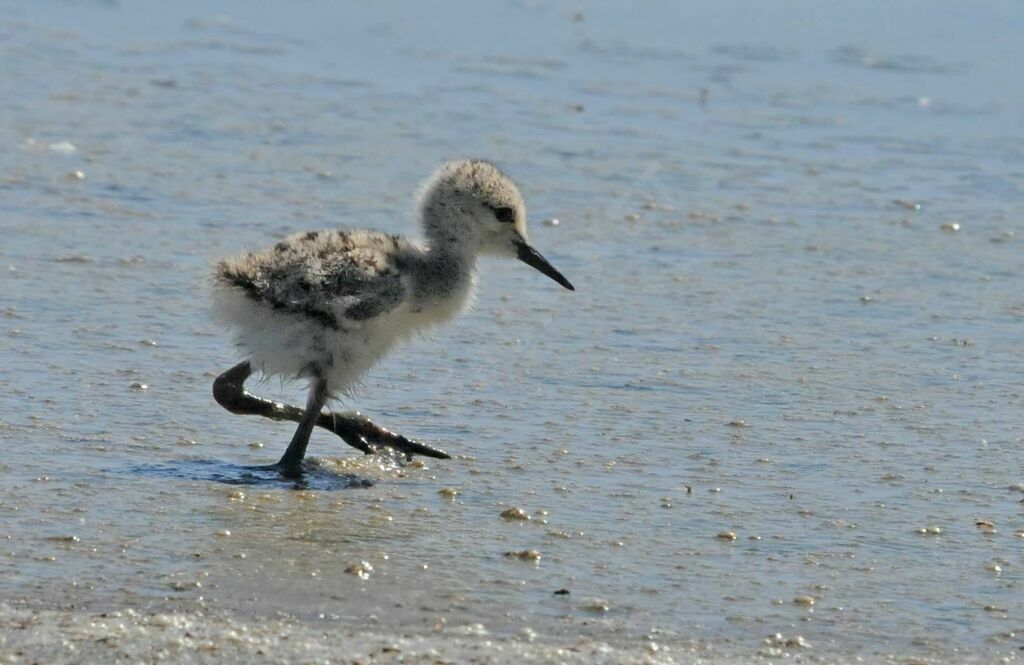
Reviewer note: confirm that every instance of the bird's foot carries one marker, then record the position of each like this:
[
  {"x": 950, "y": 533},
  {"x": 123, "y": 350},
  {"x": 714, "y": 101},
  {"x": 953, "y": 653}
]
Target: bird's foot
[
  {"x": 285, "y": 470},
  {"x": 372, "y": 437}
]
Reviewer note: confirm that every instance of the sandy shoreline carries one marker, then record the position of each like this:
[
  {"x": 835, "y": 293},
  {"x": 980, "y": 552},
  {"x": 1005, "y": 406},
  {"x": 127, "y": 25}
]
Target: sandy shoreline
[
  {"x": 128, "y": 635},
  {"x": 75, "y": 636}
]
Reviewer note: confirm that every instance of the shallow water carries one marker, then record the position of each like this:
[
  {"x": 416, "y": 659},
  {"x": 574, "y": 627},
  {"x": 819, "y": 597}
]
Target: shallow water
[{"x": 796, "y": 237}]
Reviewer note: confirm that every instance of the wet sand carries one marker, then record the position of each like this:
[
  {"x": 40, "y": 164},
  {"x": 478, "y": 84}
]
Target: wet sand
[
  {"x": 784, "y": 400},
  {"x": 54, "y": 636},
  {"x": 68, "y": 636}
]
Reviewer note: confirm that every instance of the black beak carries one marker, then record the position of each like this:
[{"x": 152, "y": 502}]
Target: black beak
[{"x": 532, "y": 257}]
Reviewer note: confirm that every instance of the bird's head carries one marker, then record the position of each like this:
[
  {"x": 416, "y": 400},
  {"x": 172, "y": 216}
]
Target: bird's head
[{"x": 471, "y": 206}]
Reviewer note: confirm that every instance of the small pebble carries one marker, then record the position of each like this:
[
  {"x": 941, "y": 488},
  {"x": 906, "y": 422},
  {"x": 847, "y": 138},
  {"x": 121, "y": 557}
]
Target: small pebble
[
  {"x": 361, "y": 570},
  {"x": 138, "y": 385},
  {"x": 950, "y": 227},
  {"x": 986, "y": 526},
  {"x": 803, "y": 600},
  {"x": 448, "y": 492},
  {"x": 515, "y": 514},
  {"x": 594, "y": 605},
  {"x": 726, "y": 535},
  {"x": 524, "y": 555},
  {"x": 64, "y": 147}
]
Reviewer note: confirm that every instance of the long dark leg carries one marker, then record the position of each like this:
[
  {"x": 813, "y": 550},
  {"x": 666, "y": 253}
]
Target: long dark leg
[
  {"x": 290, "y": 464},
  {"x": 355, "y": 429}
]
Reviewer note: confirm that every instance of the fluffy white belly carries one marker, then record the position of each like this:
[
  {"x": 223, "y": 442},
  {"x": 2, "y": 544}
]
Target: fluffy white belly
[{"x": 286, "y": 344}]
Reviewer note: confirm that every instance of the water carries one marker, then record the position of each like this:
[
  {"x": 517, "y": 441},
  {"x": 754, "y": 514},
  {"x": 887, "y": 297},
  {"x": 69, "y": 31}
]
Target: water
[{"x": 796, "y": 237}]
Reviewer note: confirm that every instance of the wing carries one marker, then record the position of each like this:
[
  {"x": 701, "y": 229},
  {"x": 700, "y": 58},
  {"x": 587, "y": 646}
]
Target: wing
[{"x": 338, "y": 278}]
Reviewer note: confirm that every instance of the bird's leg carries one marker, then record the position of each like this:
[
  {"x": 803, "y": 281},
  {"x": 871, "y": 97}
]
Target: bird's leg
[
  {"x": 290, "y": 464},
  {"x": 355, "y": 429},
  {"x": 229, "y": 391}
]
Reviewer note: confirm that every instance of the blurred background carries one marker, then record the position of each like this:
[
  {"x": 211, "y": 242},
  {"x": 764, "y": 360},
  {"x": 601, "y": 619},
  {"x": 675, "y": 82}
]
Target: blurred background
[{"x": 785, "y": 399}]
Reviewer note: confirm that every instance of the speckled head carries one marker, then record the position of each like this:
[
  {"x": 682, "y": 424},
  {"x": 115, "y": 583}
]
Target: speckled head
[{"x": 470, "y": 205}]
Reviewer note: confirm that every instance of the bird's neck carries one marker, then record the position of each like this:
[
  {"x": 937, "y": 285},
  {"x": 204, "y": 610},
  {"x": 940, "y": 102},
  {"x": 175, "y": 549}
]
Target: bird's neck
[{"x": 446, "y": 272}]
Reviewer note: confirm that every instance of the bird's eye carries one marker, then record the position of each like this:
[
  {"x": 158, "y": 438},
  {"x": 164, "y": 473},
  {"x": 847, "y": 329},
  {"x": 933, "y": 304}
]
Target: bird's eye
[{"x": 504, "y": 214}]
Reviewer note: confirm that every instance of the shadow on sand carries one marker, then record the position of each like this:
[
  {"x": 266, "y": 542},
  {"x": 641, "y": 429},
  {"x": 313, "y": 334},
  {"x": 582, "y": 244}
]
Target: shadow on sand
[{"x": 314, "y": 478}]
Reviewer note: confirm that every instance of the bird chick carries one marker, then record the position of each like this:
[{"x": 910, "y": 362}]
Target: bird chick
[{"x": 327, "y": 305}]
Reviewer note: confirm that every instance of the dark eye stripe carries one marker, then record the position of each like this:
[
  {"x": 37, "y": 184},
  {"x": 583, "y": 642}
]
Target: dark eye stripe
[{"x": 505, "y": 214}]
